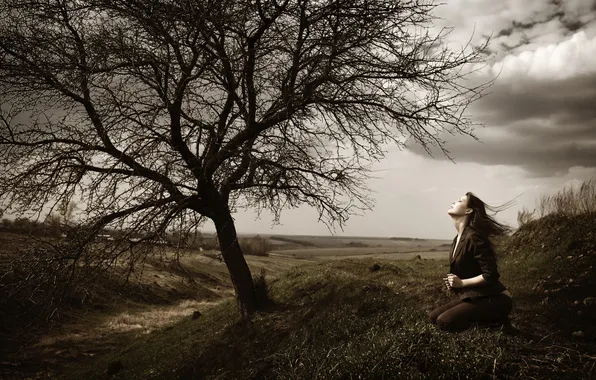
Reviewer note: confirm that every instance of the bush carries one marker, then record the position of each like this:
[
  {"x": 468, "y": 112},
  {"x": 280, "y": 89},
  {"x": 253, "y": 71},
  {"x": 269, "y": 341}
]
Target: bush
[
  {"x": 256, "y": 246},
  {"x": 262, "y": 290},
  {"x": 358, "y": 244},
  {"x": 210, "y": 243},
  {"x": 39, "y": 282},
  {"x": 26, "y": 226}
]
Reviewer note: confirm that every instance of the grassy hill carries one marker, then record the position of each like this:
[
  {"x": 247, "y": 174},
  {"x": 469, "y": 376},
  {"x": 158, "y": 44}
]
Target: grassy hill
[
  {"x": 556, "y": 256},
  {"x": 110, "y": 309},
  {"x": 365, "y": 319}
]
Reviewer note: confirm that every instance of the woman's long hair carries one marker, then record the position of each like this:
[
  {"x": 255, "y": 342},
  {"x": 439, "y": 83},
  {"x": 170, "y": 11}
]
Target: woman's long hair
[{"x": 485, "y": 224}]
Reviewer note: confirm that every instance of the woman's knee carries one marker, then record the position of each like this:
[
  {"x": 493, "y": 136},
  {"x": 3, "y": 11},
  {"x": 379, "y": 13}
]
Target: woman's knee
[
  {"x": 446, "y": 323},
  {"x": 432, "y": 317},
  {"x": 443, "y": 322}
]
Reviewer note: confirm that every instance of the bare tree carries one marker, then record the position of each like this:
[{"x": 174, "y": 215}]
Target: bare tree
[{"x": 154, "y": 112}]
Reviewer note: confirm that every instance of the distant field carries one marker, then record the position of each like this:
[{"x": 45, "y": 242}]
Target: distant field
[
  {"x": 342, "y": 247},
  {"x": 321, "y": 248},
  {"x": 345, "y": 247}
]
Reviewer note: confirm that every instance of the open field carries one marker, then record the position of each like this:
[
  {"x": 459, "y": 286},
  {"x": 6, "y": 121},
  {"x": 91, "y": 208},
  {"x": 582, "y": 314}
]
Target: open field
[
  {"x": 367, "y": 319},
  {"x": 164, "y": 292},
  {"x": 353, "y": 247},
  {"x": 339, "y": 308},
  {"x": 430, "y": 249}
]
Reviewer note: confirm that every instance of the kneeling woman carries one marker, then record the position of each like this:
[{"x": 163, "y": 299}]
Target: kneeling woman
[{"x": 473, "y": 273}]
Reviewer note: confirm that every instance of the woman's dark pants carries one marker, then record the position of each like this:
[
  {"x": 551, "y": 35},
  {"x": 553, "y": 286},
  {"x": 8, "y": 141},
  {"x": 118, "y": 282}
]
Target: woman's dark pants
[{"x": 460, "y": 314}]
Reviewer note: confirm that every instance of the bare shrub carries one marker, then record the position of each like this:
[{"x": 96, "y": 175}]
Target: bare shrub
[
  {"x": 46, "y": 275},
  {"x": 210, "y": 243},
  {"x": 262, "y": 290},
  {"x": 256, "y": 246},
  {"x": 37, "y": 282}
]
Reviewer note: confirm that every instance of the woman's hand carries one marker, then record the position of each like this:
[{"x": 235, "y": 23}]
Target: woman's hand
[{"x": 452, "y": 281}]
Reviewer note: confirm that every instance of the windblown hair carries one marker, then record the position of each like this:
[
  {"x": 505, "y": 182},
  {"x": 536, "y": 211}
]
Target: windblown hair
[{"x": 486, "y": 225}]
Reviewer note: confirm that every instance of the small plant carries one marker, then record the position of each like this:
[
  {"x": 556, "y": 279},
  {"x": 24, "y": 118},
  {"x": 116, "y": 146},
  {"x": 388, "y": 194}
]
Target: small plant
[{"x": 262, "y": 290}]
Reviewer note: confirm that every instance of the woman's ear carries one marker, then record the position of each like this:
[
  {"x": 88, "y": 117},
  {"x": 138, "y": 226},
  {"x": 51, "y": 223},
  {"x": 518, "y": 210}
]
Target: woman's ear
[{"x": 469, "y": 211}]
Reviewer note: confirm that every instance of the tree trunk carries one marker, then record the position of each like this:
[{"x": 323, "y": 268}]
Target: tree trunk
[{"x": 237, "y": 266}]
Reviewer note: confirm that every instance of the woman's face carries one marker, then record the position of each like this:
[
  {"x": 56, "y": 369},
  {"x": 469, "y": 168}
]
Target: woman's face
[{"x": 459, "y": 207}]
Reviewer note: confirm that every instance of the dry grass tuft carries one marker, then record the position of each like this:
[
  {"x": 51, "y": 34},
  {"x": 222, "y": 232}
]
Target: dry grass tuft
[
  {"x": 525, "y": 216},
  {"x": 570, "y": 201}
]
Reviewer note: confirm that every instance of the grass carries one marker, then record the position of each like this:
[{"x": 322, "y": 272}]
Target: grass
[
  {"x": 353, "y": 319},
  {"x": 569, "y": 201},
  {"x": 154, "y": 318},
  {"x": 111, "y": 311},
  {"x": 556, "y": 257},
  {"x": 367, "y": 319}
]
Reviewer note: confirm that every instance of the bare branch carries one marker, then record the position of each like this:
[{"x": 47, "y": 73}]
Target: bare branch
[{"x": 219, "y": 105}]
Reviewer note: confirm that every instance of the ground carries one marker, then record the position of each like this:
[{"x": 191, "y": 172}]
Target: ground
[
  {"x": 96, "y": 331},
  {"x": 341, "y": 308}
]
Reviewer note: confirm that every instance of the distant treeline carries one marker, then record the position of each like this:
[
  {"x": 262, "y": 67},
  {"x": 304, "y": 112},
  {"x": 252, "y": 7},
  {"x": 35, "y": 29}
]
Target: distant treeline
[
  {"x": 53, "y": 228},
  {"x": 293, "y": 241},
  {"x": 406, "y": 239},
  {"x": 27, "y": 226}
]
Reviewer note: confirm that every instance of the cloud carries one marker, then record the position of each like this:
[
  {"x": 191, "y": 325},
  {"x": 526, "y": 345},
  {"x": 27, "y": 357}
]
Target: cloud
[
  {"x": 536, "y": 158},
  {"x": 572, "y": 57},
  {"x": 516, "y": 25},
  {"x": 540, "y": 115},
  {"x": 524, "y": 105}
]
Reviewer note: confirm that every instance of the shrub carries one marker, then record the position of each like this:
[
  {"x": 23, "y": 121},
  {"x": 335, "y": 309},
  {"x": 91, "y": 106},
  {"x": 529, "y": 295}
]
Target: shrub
[
  {"x": 358, "y": 244},
  {"x": 262, "y": 290},
  {"x": 210, "y": 243},
  {"x": 256, "y": 246}
]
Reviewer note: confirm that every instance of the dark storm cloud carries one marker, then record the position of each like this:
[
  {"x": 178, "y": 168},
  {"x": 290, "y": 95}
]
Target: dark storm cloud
[
  {"x": 540, "y": 114},
  {"x": 526, "y": 25},
  {"x": 572, "y": 25},
  {"x": 539, "y": 158},
  {"x": 523, "y": 40},
  {"x": 559, "y": 10},
  {"x": 519, "y": 29},
  {"x": 567, "y": 101},
  {"x": 544, "y": 127}
]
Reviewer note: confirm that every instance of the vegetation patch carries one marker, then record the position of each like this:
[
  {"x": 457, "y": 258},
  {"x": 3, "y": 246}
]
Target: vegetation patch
[
  {"x": 366, "y": 319},
  {"x": 342, "y": 320},
  {"x": 552, "y": 263}
]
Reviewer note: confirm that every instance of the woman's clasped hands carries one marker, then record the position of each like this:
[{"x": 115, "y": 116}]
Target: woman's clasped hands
[{"x": 452, "y": 281}]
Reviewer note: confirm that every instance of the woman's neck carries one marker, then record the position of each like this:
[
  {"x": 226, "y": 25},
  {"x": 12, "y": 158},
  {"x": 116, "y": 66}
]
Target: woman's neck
[{"x": 460, "y": 223}]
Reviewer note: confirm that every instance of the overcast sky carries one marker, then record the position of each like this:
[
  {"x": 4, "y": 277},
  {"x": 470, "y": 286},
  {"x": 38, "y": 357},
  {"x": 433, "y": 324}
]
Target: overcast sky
[{"x": 539, "y": 131}]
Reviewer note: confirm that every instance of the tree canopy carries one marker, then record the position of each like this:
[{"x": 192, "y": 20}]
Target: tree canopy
[{"x": 154, "y": 113}]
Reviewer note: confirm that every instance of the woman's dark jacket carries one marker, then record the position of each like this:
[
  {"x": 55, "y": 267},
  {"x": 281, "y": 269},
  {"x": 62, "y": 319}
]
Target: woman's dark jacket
[{"x": 475, "y": 256}]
